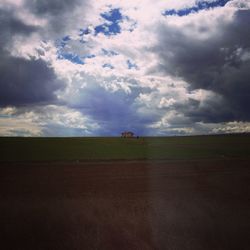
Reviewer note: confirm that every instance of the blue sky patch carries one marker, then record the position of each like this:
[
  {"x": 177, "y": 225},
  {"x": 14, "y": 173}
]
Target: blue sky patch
[
  {"x": 114, "y": 15},
  {"x": 74, "y": 58},
  {"x": 66, "y": 39},
  {"x": 61, "y": 43},
  {"x": 201, "y": 5},
  {"x": 71, "y": 57},
  {"x": 84, "y": 32},
  {"x": 131, "y": 65},
  {"x": 68, "y": 55},
  {"x": 112, "y": 26}
]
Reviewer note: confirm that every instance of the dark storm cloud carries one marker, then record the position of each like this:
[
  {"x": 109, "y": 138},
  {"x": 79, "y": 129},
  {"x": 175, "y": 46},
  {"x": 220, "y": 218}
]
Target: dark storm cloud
[
  {"x": 60, "y": 14},
  {"x": 26, "y": 81},
  {"x": 11, "y": 26},
  {"x": 22, "y": 81},
  {"x": 220, "y": 63},
  {"x": 48, "y": 7},
  {"x": 215, "y": 109}
]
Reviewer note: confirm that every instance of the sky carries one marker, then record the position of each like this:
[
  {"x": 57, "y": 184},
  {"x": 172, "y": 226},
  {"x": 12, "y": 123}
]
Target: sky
[{"x": 98, "y": 68}]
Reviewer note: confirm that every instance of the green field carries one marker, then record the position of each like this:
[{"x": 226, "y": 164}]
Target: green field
[{"x": 114, "y": 148}]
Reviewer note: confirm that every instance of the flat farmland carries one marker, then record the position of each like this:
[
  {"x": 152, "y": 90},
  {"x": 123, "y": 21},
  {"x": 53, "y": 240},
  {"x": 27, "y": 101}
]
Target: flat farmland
[
  {"x": 193, "y": 193},
  {"x": 19, "y": 149}
]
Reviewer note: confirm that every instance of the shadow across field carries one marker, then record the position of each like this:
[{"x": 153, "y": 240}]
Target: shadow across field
[{"x": 188, "y": 204}]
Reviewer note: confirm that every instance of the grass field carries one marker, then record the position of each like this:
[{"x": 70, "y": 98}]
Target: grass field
[
  {"x": 114, "y": 148},
  {"x": 176, "y": 193}
]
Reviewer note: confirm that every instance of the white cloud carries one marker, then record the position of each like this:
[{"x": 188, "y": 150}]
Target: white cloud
[
  {"x": 154, "y": 97},
  {"x": 45, "y": 121},
  {"x": 239, "y": 4},
  {"x": 232, "y": 127},
  {"x": 165, "y": 103},
  {"x": 8, "y": 111}
]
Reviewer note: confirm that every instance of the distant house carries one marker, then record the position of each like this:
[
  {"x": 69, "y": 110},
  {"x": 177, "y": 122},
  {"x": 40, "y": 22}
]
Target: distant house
[{"x": 127, "y": 134}]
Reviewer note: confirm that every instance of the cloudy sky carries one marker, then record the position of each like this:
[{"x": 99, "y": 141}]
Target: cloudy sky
[{"x": 96, "y": 68}]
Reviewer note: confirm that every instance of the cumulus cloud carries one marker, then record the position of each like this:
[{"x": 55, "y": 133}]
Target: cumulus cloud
[
  {"x": 23, "y": 80},
  {"x": 60, "y": 16},
  {"x": 210, "y": 55},
  {"x": 47, "y": 120},
  {"x": 100, "y": 67}
]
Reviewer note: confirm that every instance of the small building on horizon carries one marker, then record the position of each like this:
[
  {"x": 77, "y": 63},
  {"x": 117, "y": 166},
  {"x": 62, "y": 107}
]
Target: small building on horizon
[{"x": 127, "y": 134}]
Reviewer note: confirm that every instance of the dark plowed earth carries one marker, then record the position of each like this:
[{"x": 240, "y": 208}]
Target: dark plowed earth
[{"x": 182, "y": 205}]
